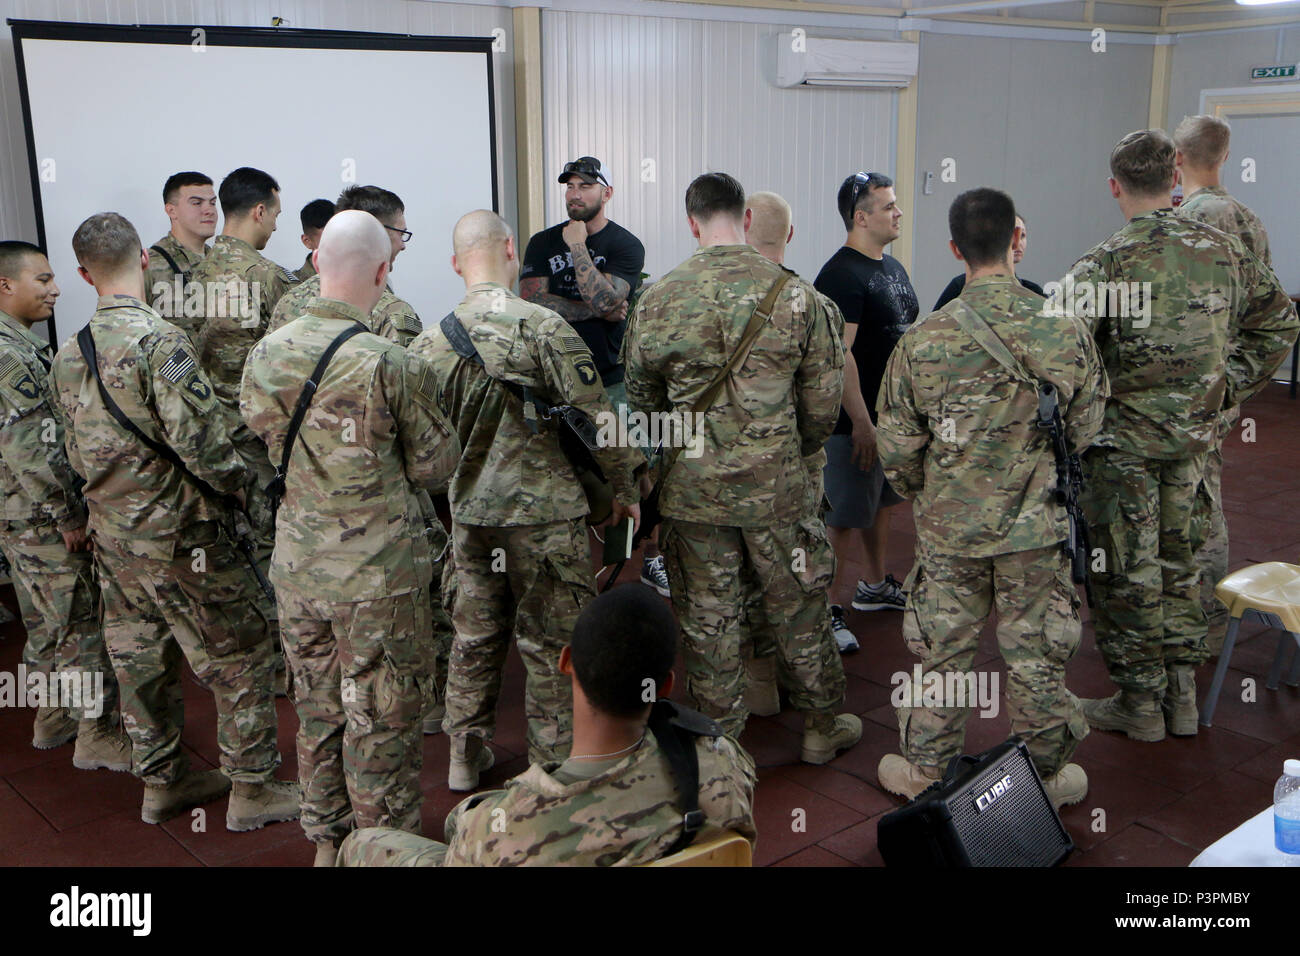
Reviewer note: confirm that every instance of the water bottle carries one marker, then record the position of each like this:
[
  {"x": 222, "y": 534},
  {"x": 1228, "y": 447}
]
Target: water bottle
[{"x": 1286, "y": 814}]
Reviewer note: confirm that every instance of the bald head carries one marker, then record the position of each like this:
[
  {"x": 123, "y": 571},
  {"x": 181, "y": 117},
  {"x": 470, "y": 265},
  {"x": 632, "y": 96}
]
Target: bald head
[
  {"x": 483, "y": 249},
  {"x": 353, "y": 258},
  {"x": 769, "y": 226}
]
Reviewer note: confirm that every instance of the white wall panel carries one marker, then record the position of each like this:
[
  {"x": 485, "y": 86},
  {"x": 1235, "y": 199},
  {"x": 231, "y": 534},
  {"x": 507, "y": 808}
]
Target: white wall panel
[
  {"x": 694, "y": 96},
  {"x": 17, "y": 218}
]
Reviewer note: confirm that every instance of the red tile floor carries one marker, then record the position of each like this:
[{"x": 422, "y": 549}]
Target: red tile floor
[{"x": 1162, "y": 803}]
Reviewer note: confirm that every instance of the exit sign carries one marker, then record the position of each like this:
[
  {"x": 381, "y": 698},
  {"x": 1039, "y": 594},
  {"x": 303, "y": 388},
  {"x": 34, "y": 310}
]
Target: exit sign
[{"x": 1273, "y": 72}]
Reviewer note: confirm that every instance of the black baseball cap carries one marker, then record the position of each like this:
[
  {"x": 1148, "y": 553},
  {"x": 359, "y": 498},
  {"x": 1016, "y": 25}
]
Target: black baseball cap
[{"x": 589, "y": 168}]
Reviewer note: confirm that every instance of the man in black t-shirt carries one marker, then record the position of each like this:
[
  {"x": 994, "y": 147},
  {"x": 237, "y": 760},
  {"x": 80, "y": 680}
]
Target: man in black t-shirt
[
  {"x": 878, "y": 303},
  {"x": 586, "y": 269},
  {"x": 1018, "y": 247}
]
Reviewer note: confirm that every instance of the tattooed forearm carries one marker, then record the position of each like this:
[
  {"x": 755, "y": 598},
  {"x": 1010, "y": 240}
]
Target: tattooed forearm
[
  {"x": 603, "y": 293},
  {"x": 571, "y": 310}
]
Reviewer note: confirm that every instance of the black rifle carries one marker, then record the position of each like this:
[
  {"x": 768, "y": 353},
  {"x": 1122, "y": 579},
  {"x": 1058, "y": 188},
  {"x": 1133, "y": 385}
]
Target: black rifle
[{"x": 1069, "y": 485}]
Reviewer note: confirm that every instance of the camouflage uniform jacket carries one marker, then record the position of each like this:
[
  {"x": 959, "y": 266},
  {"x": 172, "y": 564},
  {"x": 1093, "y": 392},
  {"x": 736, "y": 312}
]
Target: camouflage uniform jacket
[
  {"x": 778, "y": 408},
  {"x": 628, "y": 815},
  {"x": 149, "y": 367},
  {"x": 1211, "y": 299},
  {"x": 351, "y": 526},
  {"x": 509, "y": 476},
  {"x": 307, "y": 269},
  {"x": 957, "y": 430},
  {"x": 160, "y": 280},
  {"x": 392, "y": 318},
  {"x": 241, "y": 288},
  {"x": 1213, "y": 205},
  {"x": 38, "y": 484}
]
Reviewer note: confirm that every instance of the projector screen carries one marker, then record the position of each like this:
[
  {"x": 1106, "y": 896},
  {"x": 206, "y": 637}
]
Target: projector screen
[{"x": 112, "y": 111}]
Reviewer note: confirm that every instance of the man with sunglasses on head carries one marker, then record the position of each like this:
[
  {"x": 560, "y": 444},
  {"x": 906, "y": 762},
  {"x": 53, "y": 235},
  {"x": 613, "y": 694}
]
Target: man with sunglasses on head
[{"x": 878, "y": 303}]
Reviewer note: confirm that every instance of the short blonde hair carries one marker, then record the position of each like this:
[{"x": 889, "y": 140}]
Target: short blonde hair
[
  {"x": 771, "y": 219},
  {"x": 1203, "y": 140}
]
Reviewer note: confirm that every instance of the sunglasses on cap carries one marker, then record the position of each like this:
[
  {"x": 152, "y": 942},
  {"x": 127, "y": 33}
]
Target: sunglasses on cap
[{"x": 588, "y": 166}]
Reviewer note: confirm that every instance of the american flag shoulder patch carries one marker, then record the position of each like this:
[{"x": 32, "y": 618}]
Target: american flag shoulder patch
[
  {"x": 8, "y": 364},
  {"x": 572, "y": 343},
  {"x": 178, "y": 366}
]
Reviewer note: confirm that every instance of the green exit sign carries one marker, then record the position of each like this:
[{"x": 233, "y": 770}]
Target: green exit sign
[{"x": 1273, "y": 72}]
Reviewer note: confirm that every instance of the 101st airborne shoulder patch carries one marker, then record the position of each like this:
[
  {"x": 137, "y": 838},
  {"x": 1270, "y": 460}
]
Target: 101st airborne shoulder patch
[{"x": 16, "y": 376}]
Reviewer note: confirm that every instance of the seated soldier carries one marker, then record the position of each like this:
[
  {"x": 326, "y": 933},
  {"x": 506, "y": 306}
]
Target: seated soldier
[{"x": 614, "y": 802}]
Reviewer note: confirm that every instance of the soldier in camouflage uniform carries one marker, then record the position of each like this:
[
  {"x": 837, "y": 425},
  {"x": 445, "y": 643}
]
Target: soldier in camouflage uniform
[
  {"x": 740, "y": 507},
  {"x": 769, "y": 231},
  {"x": 43, "y": 528},
  {"x": 396, "y": 320},
  {"x": 313, "y": 216},
  {"x": 352, "y": 564},
  {"x": 520, "y": 543},
  {"x": 191, "y": 205},
  {"x": 1198, "y": 325},
  {"x": 958, "y": 435},
  {"x": 173, "y": 581},
  {"x": 1202, "y": 149},
  {"x": 613, "y": 802}
]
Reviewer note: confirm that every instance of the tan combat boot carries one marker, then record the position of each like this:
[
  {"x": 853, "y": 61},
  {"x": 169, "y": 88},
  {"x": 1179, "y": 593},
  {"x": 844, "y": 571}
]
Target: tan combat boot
[
  {"x": 433, "y": 718},
  {"x": 1067, "y": 786},
  {"x": 899, "y": 775},
  {"x": 1179, "y": 704},
  {"x": 825, "y": 735},
  {"x": 762, "y": 697},
  {"x": 326, "y": 854},
  {"x": 195, "y": 788},
  {"x": 470, "y": 756},
  {"x": 254, "y": 805},
  {"x": 54, "y": 727},
  {"x": 101, "y": 745},
  {"x": 1134, "y": 713}
]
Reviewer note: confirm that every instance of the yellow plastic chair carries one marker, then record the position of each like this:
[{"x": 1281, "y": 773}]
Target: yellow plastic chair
[
  {"x": 1269, "y": 593},
  {"x": 730, "y": 849}
]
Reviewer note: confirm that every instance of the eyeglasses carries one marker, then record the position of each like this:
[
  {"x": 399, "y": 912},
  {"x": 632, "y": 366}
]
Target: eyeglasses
[
  {"x": 860, "y": 183},
  {"x": 406, "y": 234}
]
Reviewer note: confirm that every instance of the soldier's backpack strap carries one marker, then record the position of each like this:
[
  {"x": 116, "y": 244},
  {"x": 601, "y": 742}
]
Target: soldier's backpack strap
[
  {"x": 86, "y": 343},
  {"x": 176, "y": 270},
  {"x": 464, "y": 346},
  {"x": 675, "y": 729},
  {"x": 275, "y": 490},
  {"x": 988, "y": 340}
]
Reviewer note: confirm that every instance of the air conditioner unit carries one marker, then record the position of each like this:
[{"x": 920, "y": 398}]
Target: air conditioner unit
[{"x": 871, "y": 64}]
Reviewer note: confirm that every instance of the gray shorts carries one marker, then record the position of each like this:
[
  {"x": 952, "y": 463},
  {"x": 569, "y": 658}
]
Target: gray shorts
[{"x": 855, "y": 495}]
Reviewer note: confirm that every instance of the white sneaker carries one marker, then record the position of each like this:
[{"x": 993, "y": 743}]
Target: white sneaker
[
  {"x": 886, "y": 596},
  {"x": 654, "y": 575},
  {"x": 844, "y": 638}
]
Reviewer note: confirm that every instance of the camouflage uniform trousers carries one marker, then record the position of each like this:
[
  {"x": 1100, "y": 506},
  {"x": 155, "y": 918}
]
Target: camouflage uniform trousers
[
  {"x": 1210, "y": 537},
  {"x": 533, "y": 580},
  {"x": 252, "y": 451},
  {"x": 377, "y": 846},
  {"x": 711, "y": 571},
  {"x": 360, "y": 673},
  {"x": 1146, "y": 611},
  {"x": 1038, "y": 631},
  {"x": 59, "y": 598},
  {"x": 200, "y": 603},
  {"x": 441, "y": 595}
]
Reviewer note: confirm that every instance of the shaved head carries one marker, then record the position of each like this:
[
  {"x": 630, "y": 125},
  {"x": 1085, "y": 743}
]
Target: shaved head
[
  {"x": 353, "y": 258},
  {"x": 480, "y": 230},
  {"x": 770, "y": 225}
]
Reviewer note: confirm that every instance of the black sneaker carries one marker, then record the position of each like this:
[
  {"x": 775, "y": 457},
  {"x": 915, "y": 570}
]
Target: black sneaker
[
  {"x": 653, "y": 574},
  {"x": 886, "y": 596},
  {"x": 844, "y": 638}
]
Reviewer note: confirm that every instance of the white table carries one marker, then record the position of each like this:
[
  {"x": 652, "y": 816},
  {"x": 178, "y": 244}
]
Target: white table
[{"x": 1251, "y": 844}]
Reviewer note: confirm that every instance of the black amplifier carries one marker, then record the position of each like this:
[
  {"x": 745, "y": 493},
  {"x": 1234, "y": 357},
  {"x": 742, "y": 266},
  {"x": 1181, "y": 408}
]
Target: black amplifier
[{"x": 988, "y": 810}]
